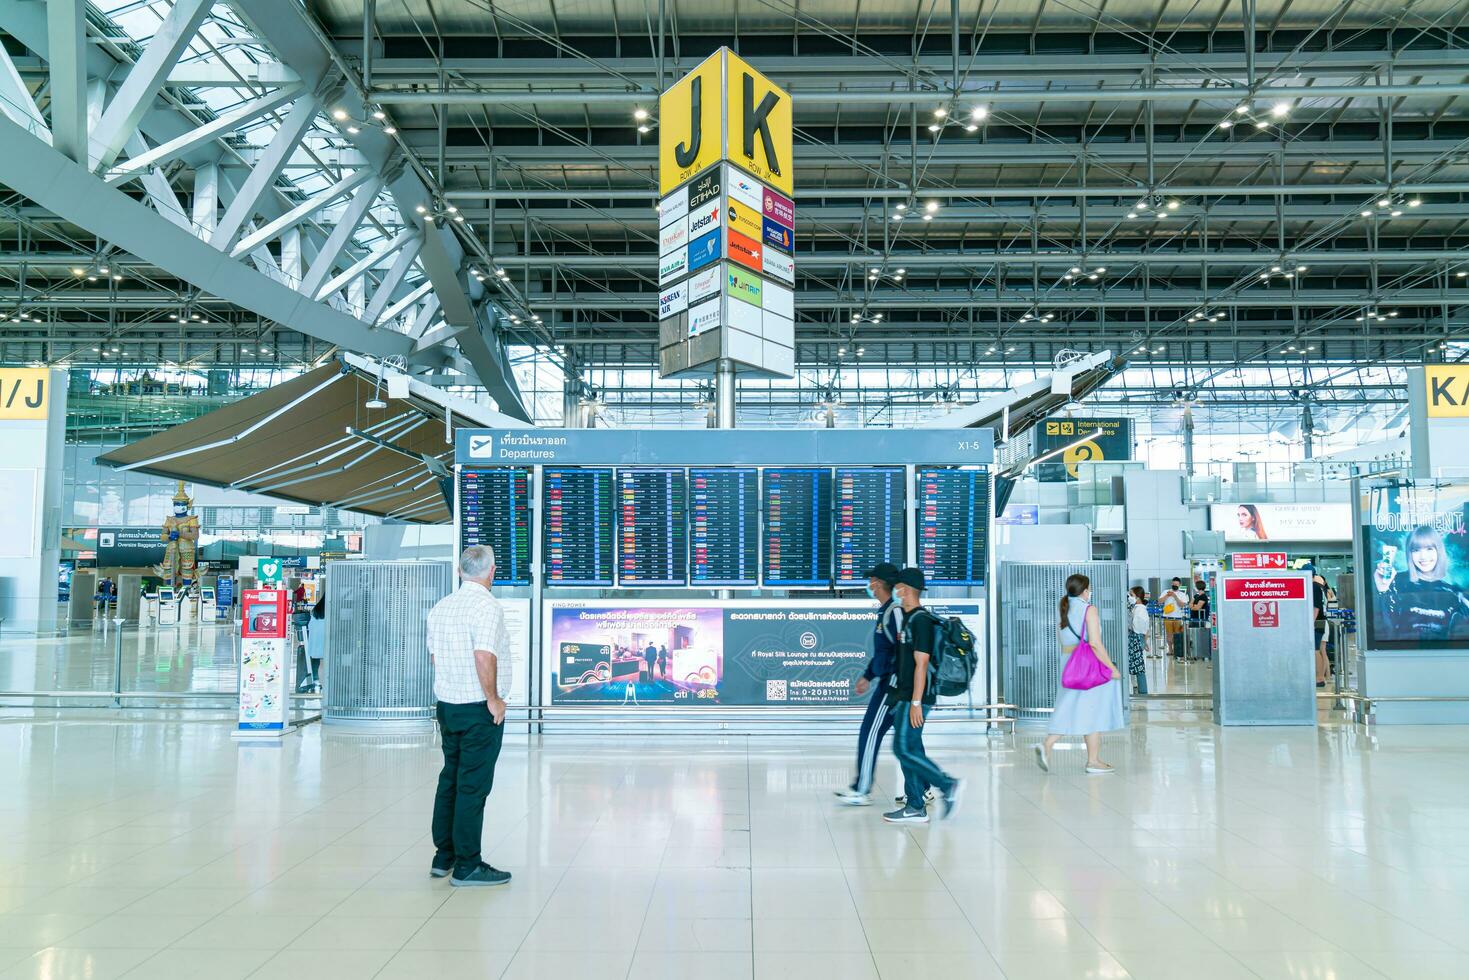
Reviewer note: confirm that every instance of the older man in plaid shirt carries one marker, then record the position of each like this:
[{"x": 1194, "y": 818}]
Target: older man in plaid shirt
[{"x": 471, "y": 653}]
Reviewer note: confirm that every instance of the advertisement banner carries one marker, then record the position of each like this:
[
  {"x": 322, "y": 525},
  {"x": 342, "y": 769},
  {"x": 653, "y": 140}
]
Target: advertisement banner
[
  {"x": 781, "y": 267},
  {"x": 703, "y": 250},
  {"x": 745, "y": 250},
  {"x": 672, "y": 236},
  {"x": 671, "y": 267},
  {"x": 704, "y": 190},
  {"x": 703, "y": 220},
  {"x": 1020, "y": 514},
  {"x": 743, "y": 188},
  {"x": 1110, "y": 439},
  {"x": 673, "y": 301},
  {"x": 743, "y": 219},
  {"x": 129, "y": 547},
  {"x": 703, "y": 317},
  {"x": 674, "y": 207},
  {"x": 1248, "y": 561},
  {"x": 1415, "y": 542},
  {"x": 778, "y": 208},
  {"x": 1251, "y": 523},
  {"x": 743, "y": 286},
  {"x": 777, "y": 235},
  {"x": 702, "y": 285},
  {"x": 737, "y": 652}
]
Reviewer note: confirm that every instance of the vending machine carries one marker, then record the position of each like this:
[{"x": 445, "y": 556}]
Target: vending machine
[{"x": 265, "y": 664}]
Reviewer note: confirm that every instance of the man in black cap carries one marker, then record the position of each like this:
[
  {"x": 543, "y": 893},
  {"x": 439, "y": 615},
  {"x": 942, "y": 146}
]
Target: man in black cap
[
  {"x": 877, "y": 678},
  {"x": 912, "y": 698}
]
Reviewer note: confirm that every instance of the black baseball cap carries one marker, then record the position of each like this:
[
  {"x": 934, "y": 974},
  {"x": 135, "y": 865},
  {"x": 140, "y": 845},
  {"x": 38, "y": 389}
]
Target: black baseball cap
[
  {"x": 913, "y": 578},
  {"x": 884, "y": 570}
]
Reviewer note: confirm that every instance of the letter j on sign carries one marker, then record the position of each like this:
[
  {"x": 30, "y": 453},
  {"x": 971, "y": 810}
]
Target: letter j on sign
[{"x": 690, "y": 125}]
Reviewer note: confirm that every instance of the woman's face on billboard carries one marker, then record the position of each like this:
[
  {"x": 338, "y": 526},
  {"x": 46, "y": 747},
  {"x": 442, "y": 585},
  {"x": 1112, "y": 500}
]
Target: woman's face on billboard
[
  {"x": 1424, "y": 557},
  {"x": 1245, "y": 521}
]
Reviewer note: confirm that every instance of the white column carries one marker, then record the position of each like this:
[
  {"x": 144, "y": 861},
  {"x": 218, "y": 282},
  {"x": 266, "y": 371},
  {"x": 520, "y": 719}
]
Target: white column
[{"x": 32, "y": 440}]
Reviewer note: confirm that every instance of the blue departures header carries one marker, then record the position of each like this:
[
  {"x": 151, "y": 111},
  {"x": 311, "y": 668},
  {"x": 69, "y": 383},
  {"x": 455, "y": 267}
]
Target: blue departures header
[{"x": 723, "y": 447}]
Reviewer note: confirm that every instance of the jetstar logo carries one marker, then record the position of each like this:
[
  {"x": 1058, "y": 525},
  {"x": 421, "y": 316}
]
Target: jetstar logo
[
  {"x": 745, "y": 251},
  {"x": 1448, "y": 390},
  {"x": 702, "y": 220}
]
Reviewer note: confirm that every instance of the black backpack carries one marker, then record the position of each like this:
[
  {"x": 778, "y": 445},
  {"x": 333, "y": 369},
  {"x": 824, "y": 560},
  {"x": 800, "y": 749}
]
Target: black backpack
[{"x": 954, "y": 660}]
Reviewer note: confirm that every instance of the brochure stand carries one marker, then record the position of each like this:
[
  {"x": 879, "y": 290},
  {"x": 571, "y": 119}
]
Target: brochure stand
[{"x": 265, "y": 665}]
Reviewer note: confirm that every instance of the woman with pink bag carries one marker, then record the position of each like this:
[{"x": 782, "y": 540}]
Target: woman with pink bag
[{"x": 1089, "y": 701}]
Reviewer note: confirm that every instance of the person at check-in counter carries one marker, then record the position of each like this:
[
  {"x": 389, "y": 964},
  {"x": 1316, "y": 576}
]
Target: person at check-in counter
[{"x": 1420, "y": 603}]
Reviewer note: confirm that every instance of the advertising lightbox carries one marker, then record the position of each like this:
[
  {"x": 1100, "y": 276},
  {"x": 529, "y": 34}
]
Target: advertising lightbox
[
  {"x": 1415, "y": 562},
  {"x": 1253, "y": 523}
]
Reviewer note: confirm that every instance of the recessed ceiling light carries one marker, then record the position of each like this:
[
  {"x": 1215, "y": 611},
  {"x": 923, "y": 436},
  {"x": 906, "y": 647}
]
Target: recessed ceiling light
[
  {"x": 1226, "y": 124},
  {"x": 940, "y": 112},
  {"x": 339, "y": 114},
  {"x": 933, "y": 127},
  {"x": 640, "y": 114},
  {"x": 978, "y": 112},
  {"x": 390, "y": 130}
]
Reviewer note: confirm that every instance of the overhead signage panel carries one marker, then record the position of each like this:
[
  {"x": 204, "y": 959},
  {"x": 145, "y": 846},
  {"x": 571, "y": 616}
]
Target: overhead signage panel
[
  {"x": 744, "y": 286},
  {"x": 777, "y": 235},
  {"x": 673, "y": 301},
  {"x": 719, "y": 447},
  {"x": 759, "y": 125},
  {"x": 703, "y": 219},
  {"x": 704, "y": 250},
  {"x": 702, "y": 285},
  {"x": 670, "y": 267},
  {"x": 743, "y": 219},
  {"x": 745, "y": 250},
  {"x": 779, "y": 266},
  {"x": 690, "y": 124},
  {"x": 24, "y": 393},
  {"x": 674, "y": 235},
  {"x": 705, "y": 190},
  {"x": 674, "y": 206},
  {"x": 777, "y": 207},
  {"x": 743, "y": 188}
]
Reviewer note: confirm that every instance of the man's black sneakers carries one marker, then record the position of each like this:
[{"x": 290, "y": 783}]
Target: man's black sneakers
[
  {"x": 480, "y": 877},
  {"x": 442, "y": 866}
]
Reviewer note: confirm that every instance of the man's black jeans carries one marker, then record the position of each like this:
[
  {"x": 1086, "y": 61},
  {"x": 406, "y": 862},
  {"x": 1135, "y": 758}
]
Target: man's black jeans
[{"x": 471, "y": 742}]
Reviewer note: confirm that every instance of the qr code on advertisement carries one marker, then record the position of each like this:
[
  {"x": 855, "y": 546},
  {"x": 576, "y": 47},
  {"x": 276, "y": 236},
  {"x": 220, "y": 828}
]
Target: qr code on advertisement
[{"x": 775, "y": 690}]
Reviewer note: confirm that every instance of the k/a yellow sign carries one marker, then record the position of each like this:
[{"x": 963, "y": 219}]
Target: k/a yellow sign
[
  {"x": 25, "y": 393},
  {"x": 1448, "y": 390},
  {"x": 725, "y": 109}
]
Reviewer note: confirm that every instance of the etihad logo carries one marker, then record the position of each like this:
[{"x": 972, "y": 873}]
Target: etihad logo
[{"x": 704, "y": 190}]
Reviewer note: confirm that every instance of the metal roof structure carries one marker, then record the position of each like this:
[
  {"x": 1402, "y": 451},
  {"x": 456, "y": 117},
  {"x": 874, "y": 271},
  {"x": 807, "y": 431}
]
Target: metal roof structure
[{"x": 1259, "y": 204}]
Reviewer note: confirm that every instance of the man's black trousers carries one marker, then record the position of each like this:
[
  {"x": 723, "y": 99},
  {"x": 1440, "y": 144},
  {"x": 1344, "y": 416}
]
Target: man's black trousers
[{"x": 471, "y": 741}]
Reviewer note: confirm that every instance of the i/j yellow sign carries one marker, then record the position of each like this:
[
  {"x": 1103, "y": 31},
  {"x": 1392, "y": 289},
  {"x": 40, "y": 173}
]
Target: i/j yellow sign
[
  {"x": 724, "y": 109},
  {"x": 24, "y": 393}
]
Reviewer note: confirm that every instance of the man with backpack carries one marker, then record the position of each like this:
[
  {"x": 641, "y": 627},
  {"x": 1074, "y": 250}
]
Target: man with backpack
[
  {"x": 879, "y": 716},
  {"x": 912, "y": 696}
]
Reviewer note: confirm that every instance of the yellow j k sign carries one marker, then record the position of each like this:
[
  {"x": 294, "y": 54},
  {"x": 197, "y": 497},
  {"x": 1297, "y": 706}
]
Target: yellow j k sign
[{"x": 724, "y": 109}]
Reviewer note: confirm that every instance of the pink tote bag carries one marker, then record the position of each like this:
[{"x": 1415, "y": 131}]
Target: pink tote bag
[{"x": 1083, "y": 670}]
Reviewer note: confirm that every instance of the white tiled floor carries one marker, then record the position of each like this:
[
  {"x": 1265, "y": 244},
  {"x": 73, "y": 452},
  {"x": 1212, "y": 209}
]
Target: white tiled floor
[{"x": 159, "y": 848}]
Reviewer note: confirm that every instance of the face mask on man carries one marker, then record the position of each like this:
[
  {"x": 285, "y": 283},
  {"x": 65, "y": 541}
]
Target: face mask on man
[{"x": 870, "y": 593}]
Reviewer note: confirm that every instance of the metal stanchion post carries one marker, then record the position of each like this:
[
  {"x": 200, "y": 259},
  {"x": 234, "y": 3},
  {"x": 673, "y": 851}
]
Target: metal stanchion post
[{"x": 116, "y": 662}]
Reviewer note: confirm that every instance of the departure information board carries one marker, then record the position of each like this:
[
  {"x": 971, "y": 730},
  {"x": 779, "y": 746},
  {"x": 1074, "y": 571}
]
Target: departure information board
[
  {"x": 953, "y": 525},
  {"x": 871, "y": 525},
  {"x": 579, "y": 522},
  {"x": 724, "y": 526},
  {"x": 494, "y": 510},
  {"x": 796, "y": 503},
  {"x": 651, "y": 529}
]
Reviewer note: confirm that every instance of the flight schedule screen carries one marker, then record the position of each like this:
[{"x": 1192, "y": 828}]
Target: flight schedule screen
[
  {"x": 797, "y": 507},
  {"x": 870, "y": 521},
  {"x": 652, "y": 547},
  {"x": 953, "y": 535},
  {"x": 494, "y": 510},
  {"x": 579, "y": 525},
  {"x": 724, "y": 526}
]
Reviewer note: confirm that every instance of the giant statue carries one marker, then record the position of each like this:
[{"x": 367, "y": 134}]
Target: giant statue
[{"x": 181, "y": 534}]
